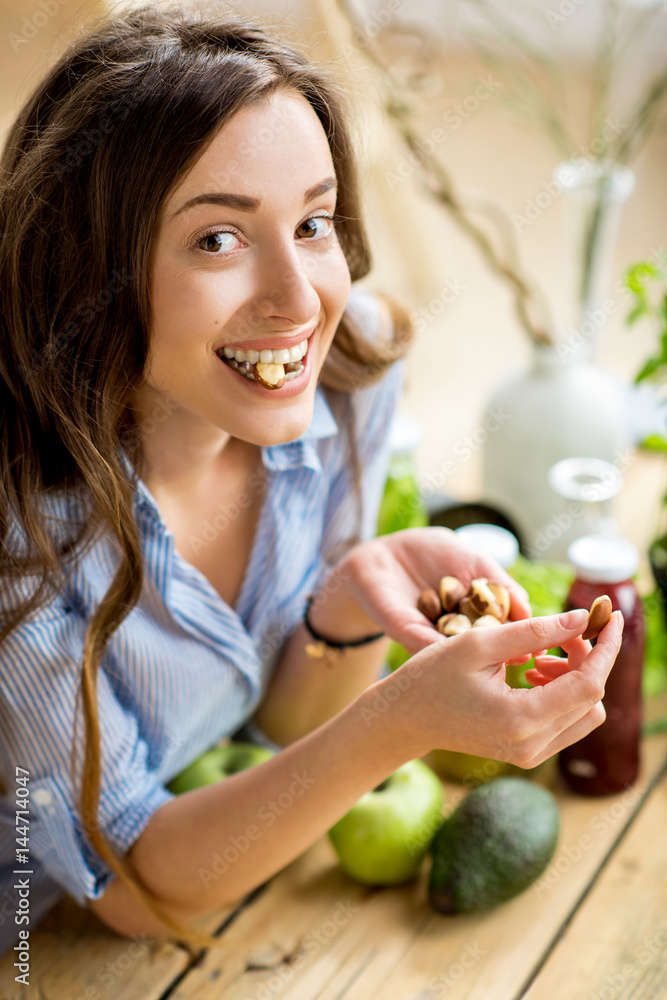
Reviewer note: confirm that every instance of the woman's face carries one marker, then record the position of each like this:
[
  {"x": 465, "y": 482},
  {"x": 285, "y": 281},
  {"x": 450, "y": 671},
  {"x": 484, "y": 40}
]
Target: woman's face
[{"x": 260, "y": 270}]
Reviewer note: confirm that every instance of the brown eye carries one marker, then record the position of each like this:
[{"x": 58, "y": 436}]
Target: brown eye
[
  {"x": 215, "y": 241},
  {"x": 309, "y": 229}
]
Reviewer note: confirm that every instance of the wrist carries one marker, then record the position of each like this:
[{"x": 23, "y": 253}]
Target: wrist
[
  {"x": 384, "y": 709},
  {"x": 335, "y": 613}
]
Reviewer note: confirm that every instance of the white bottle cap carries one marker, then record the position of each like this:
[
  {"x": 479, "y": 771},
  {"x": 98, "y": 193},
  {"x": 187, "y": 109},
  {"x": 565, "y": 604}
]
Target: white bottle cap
[
  {"x": 603, "y": 558},
  {"x": 490, "y": 540}
]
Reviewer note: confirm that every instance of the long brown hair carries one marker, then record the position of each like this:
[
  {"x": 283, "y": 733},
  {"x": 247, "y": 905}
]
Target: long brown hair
[{"x": 86, "y": 168}]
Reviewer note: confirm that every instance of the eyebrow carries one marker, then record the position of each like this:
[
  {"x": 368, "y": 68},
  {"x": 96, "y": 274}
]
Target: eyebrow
[{"x": 248, "y": 204}]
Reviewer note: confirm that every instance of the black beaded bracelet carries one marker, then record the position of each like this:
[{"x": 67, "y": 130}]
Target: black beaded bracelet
[{"x": 332, "y": 644}]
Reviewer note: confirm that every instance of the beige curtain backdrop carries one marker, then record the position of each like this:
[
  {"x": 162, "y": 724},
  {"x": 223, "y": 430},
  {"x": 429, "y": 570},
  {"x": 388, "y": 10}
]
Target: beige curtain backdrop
[{"x": 469, "y": 337}]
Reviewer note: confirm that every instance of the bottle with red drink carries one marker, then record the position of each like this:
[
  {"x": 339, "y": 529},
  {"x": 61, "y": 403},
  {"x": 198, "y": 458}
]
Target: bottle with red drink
[{"x": 607, "y": 760}]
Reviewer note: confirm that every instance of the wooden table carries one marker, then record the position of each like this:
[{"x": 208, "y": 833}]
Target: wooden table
[{"x": 593, "y": 928}]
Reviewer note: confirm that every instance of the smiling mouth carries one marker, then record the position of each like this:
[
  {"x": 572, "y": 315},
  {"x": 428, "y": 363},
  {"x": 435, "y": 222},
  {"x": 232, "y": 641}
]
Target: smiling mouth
[{"x": 272, "y": 372}]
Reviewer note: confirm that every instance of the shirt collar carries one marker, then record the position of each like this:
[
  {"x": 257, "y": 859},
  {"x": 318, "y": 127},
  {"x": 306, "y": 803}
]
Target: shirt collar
[
  {"x": 277, "y": 457},
  {"x": 303, "y": 450}
]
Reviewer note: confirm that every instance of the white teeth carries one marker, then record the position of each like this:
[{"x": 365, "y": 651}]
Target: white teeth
[{"x": 279, "y": 356}]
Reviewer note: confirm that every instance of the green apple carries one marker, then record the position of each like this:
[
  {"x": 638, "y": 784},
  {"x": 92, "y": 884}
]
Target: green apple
[
  {"x": 471, "y": 770},
  {"x": 218, "y": 763},
  {"x": 466, "y": 767},
  {"x": 383, "y": 838}
]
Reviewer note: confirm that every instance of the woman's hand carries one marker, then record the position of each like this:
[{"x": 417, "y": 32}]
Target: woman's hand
[
  {"x": 453, "y": 694},
  {"x": 387, "y": 574},
  {"x": 547, "y": 667}
]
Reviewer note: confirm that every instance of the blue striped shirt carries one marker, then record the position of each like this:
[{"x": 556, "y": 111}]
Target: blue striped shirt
[{"x": 184, "y": 670}]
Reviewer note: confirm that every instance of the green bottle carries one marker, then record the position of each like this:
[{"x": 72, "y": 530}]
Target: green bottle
[{"x": 402, "y": 505}]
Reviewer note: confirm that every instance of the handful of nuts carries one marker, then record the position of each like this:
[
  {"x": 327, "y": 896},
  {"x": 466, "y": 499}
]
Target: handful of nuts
[
  {"x": 482, "y": 604},
  {"x": 487, "y": 603}
]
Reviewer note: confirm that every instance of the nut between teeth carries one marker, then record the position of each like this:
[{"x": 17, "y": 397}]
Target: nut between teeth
[{"x": 270, "y": 375}]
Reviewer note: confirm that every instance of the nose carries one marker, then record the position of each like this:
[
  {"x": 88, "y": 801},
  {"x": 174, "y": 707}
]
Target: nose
[{"x": 288, "y": 297}]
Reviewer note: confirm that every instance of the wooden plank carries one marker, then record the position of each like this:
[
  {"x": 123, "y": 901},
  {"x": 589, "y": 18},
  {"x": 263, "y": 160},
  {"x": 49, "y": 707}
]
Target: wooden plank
[
  {"x": 314, "y": 933},
  {"x": 616, "y": 946},
  {"x": 72, "y": 952}
]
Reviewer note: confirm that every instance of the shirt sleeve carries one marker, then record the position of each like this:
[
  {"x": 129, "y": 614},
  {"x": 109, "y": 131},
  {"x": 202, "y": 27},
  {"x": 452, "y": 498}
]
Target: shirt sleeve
[{"x": 40, "y": 669}]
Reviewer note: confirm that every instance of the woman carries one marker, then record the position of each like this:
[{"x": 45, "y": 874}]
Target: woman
[{"x": 172, "y": 494}]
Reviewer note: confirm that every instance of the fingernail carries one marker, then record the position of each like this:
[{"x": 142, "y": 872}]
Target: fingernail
[{"x": 573, "y": 619}]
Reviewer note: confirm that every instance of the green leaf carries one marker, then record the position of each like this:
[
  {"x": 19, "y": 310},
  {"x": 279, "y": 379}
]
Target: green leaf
[
  {"x": 635, "y": 273},
  {"x": 634, "y": 314},
  {"x": 649, "y": 369},
  {"x": 654, "y": 674}
]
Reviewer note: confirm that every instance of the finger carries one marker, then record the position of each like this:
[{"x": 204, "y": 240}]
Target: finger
[
  {"x": 583, "y": 685},
  {"x": 577, "y": 650},
  {"x": 520, "y": 660},
  {"x": 593, "y": 718},
  {"x": 537, "y": 679},
  {"x": 552, "y": 666},
  {"x": 533, "y": 635},
  {"x": 415, "y": 636},
  {"x": 544, "y": 672},
  {"x": 519, "y": 603},
  {"x": 550, "y": 729},
  {"x": 546, "y": 669}
]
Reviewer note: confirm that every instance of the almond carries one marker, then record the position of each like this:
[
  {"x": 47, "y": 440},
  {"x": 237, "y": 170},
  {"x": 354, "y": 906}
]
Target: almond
[{"x": 598, "y": 616}]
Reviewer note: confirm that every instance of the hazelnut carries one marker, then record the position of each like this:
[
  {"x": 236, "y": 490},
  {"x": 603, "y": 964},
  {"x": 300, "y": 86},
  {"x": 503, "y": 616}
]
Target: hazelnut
[
  {"x": 429, "y": 604},
  {"x": 451, "y": 592},
  {"x": 484, "y": 621},
  {"x": 598, "y": 616},
  {"x": 502, "y": 596},
  {"x": 453, "y": 624}
]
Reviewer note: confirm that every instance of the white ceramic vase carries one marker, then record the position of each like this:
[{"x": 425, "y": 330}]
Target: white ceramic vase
[
  {"x": 561, "y": 407},
  {"x": 564, "y": 405}
]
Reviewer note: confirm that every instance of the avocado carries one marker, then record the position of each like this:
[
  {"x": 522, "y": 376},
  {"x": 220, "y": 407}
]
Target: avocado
[{"x": 496, "y": 843}]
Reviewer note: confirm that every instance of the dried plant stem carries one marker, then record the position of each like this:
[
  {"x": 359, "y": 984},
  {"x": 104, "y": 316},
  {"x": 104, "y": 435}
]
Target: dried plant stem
[
  {"x": 441, "y": 187},
  {"x": 644, "y": 119}
]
